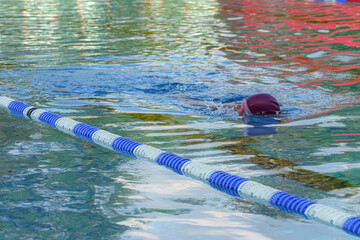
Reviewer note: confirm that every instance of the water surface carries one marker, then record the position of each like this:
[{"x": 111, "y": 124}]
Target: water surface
[{"x": 135, "y": 68}]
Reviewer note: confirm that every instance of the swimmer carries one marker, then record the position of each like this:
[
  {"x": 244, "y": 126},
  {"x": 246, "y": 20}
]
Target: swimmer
[{"x": 261, "y": 104}]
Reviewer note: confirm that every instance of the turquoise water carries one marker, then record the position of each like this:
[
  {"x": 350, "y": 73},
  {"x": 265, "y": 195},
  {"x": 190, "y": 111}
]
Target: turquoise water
[{"x": 134, "y": 68}]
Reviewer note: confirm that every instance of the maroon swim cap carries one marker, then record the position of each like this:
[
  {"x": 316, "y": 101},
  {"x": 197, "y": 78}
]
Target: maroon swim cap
[{"x": 263, "y": 104}]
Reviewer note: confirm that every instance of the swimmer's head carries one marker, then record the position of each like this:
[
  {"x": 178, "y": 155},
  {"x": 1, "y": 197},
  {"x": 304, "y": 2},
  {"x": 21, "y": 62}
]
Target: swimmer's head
[{"x": 260, "y": 104}]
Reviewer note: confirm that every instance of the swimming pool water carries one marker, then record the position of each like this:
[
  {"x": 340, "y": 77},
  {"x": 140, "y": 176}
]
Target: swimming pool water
[{"x": 134, "y": 68}]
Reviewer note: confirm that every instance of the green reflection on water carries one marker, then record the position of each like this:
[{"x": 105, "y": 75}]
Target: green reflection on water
[{"x": 68, "y": 32}]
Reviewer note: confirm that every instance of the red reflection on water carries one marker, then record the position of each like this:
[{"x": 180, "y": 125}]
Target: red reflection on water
[
  {"x": 347, "y": 134},
  {"x": 349, "y": 82},
  {"x": 311, "y": 115},
  {"x": 318, "y": 36}
]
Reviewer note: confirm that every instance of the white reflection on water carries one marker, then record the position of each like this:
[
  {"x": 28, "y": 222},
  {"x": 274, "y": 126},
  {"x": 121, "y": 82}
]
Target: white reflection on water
[
  {"x": 23, "y": 148},
  {"x": 323, "y": 121},
  {"x": 208, "y": 224},
  {"x": 340, "y": 148},
  {"x": 332, "y": 167}
]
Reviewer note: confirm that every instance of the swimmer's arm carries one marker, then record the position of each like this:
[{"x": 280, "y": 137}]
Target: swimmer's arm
[
  {"x": 232, "y": 105},
  {"x": 212, "y": 107},
  {"x": 235, "y": 106}
]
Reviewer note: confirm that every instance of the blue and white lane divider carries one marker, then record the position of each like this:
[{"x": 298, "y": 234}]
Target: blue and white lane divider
[{"x": 231, "y": 184}]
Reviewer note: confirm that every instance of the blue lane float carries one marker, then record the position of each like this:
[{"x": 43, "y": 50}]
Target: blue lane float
[{"x": 228, "y": 183}]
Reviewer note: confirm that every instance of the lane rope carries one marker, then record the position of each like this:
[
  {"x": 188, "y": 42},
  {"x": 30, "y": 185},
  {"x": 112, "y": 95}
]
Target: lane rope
[{"x": 228, "y": 183}]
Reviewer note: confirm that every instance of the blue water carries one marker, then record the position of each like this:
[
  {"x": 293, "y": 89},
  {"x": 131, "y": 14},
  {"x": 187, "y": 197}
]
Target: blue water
[{"x": 152, "y": 71}]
